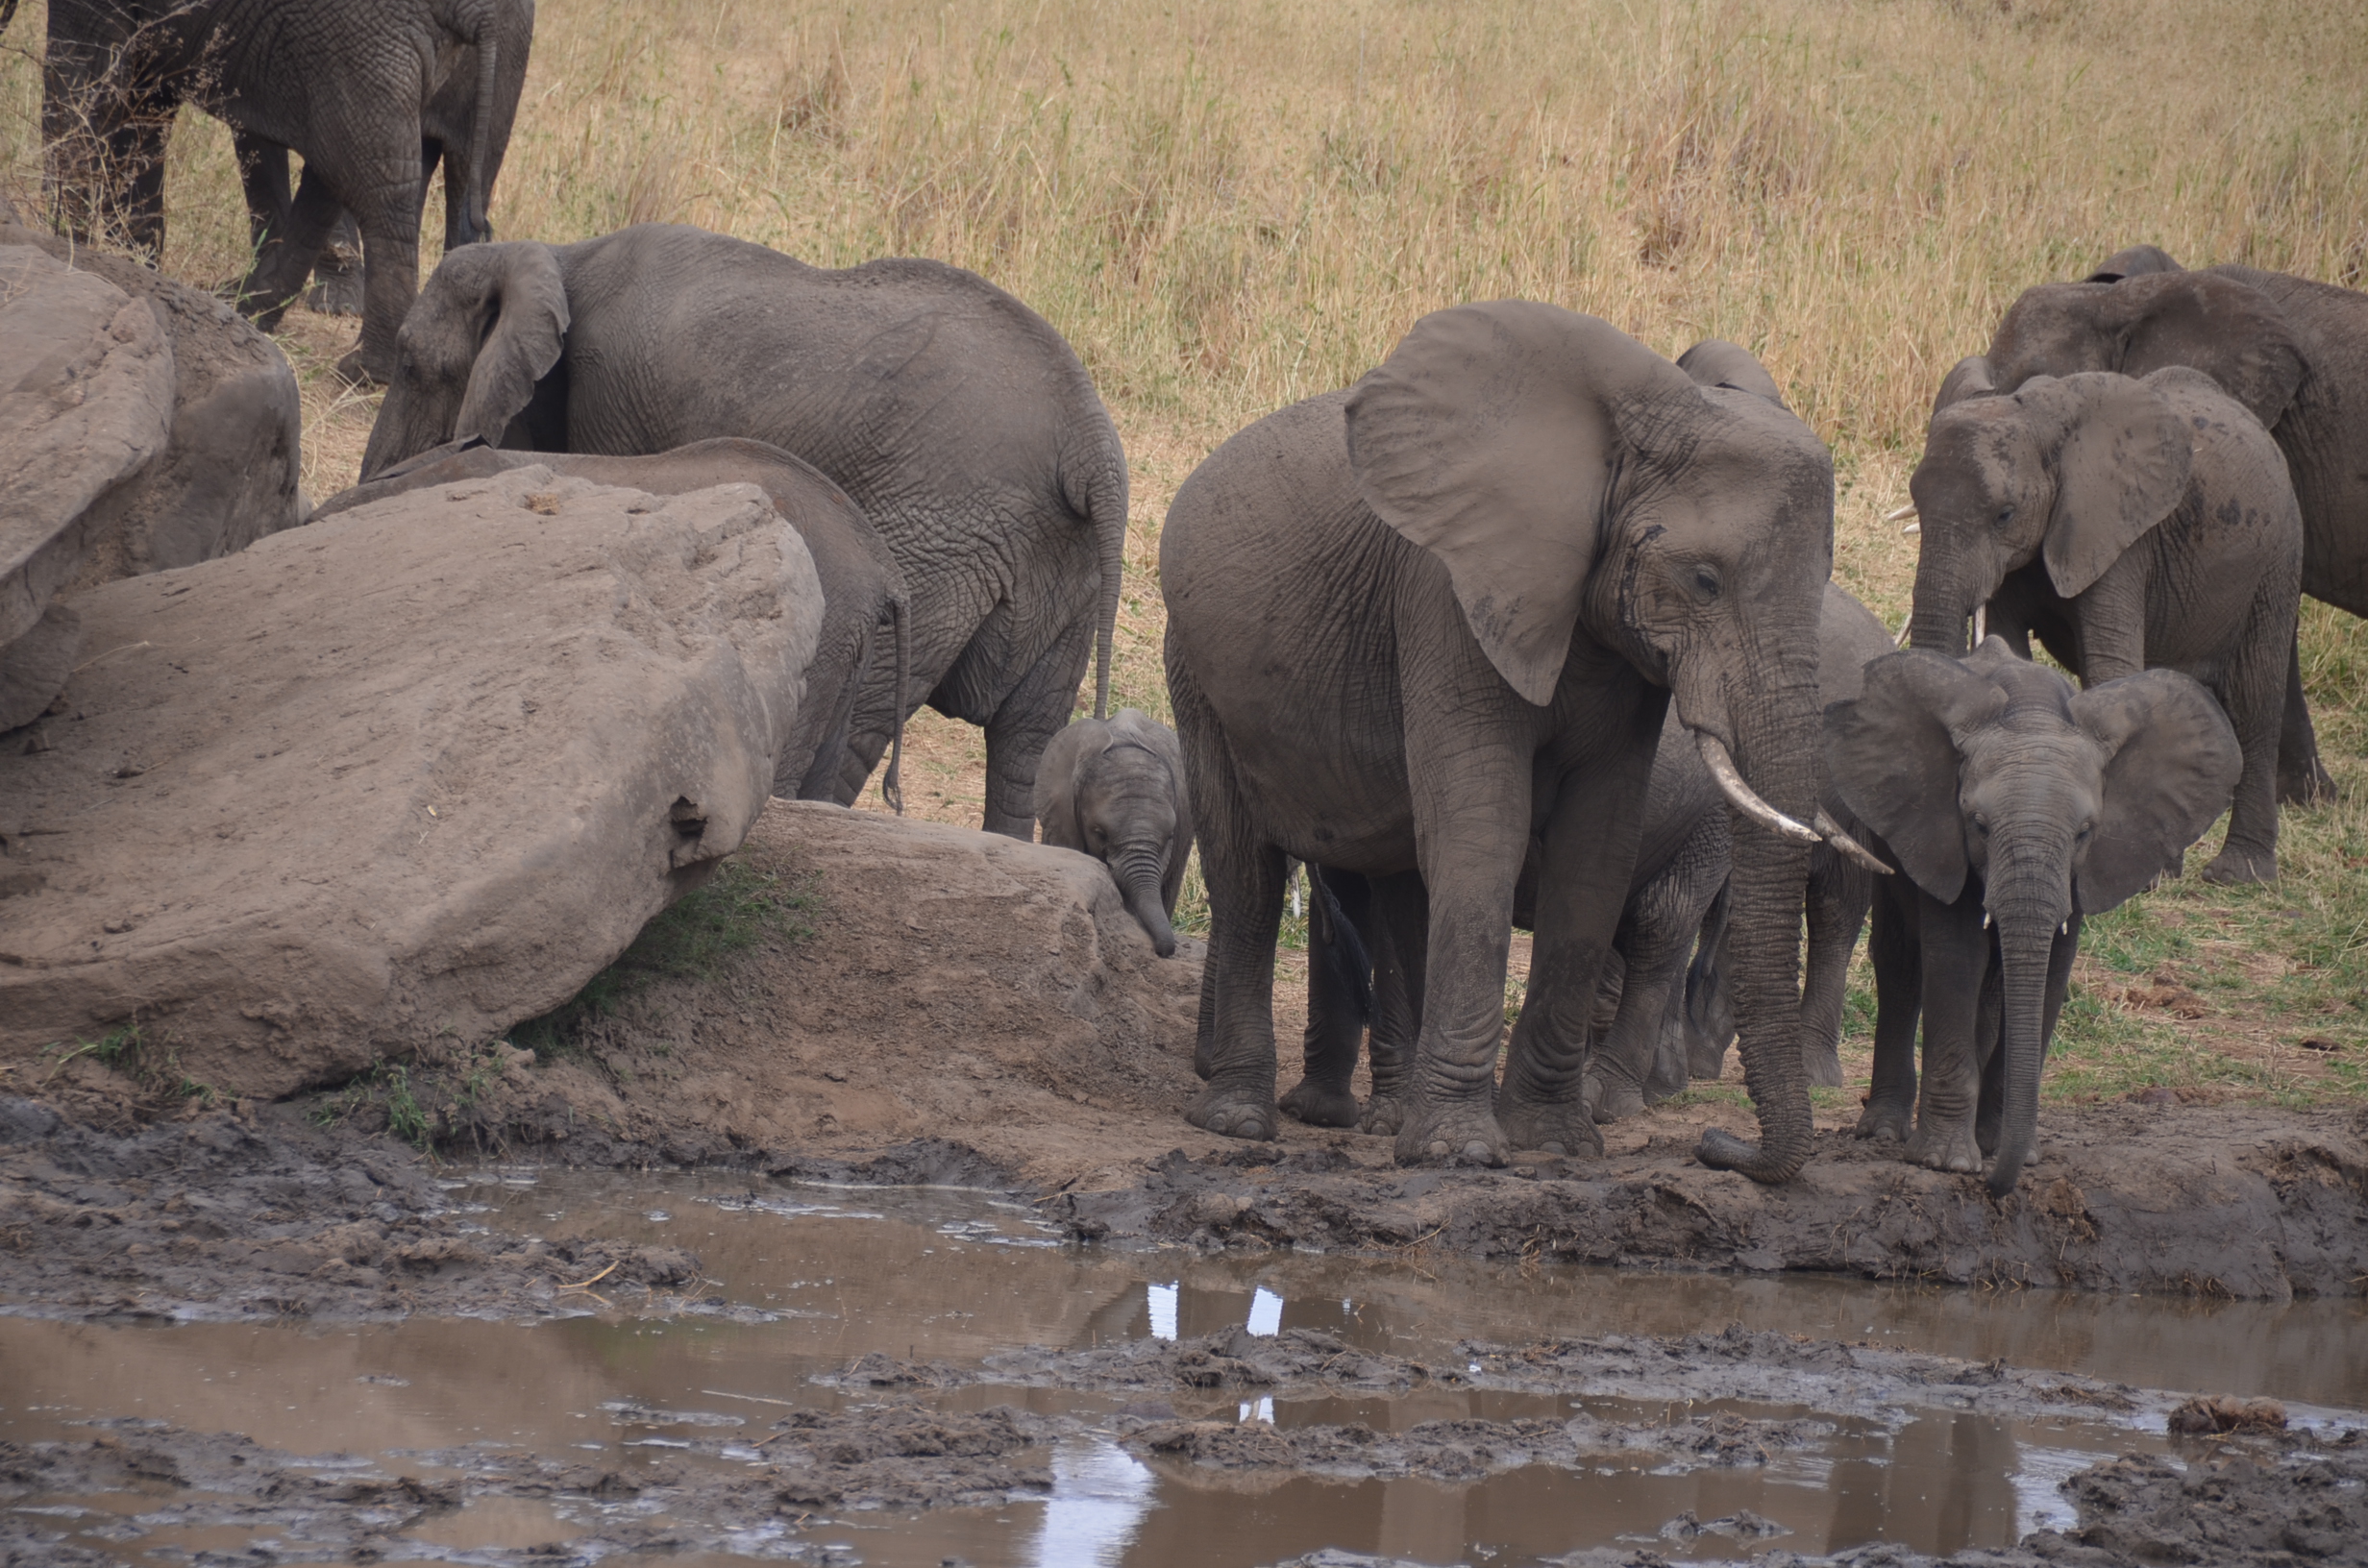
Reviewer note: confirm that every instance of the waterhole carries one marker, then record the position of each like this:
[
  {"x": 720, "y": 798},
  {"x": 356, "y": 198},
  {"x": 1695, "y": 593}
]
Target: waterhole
[{"x": 801, "y": 1281}]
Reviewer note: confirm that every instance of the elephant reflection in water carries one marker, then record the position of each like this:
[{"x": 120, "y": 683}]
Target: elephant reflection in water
[{"x": 1948, "y": 1484}]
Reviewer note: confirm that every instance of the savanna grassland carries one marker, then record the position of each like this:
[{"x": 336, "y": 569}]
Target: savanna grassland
[{"x": 1232, "y": 204}]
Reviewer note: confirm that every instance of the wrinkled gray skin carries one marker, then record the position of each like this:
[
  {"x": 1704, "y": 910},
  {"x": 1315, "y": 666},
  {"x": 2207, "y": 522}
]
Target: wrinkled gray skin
[
  {"x": 863, "y": 593},
  {"x": 2014, "y": 807},
  {"x": 2130, "y": 524},
  {"x": 957, "y": 420},
  {"x": 1839, "y": 890},
  {"x": 1413, "y": 624},
  {"x": 2293, "y": 351},
  {"x": 1114, "y": 787},
  {"x": 347, "y": 84}
]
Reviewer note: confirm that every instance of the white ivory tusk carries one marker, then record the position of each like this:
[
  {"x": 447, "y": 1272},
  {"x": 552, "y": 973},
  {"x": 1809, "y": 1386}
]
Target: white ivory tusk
[
  {"x": 1848, "y": 846},
  {"x": 1743, "y": 797},
  {"x": 1913, "y": 527},
  {"x": 1981, "y": 624},
  {"x": 1986, "y": 920},
  {"x": 1905, "y": 627},
  {"x": 1897, "y": 513}
]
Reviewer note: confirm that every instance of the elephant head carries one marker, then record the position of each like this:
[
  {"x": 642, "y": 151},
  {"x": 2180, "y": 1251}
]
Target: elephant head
[
  {"x": 1115, "y": 789},
  {"x": 1992, "y": 769},
  {"x": 490, "y": 323},
  {"x": 1575, "y": 484},
  {"x": 2072, "y": 468}
]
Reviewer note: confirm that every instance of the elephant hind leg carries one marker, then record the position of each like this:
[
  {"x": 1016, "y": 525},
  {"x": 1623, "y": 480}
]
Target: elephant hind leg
[
  {"x": 1838, "y": 896},
  {"x": 2302, "y": 780},
  {"x": 1023, "y": 723},
  {"x": 287, "y": 256},
  {"x": 1339, "y": 910}
]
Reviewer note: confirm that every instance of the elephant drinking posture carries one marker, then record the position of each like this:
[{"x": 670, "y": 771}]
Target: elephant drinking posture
[
  {"x": 2015, "y": 806},
  {"x": 1114, "y": 787},
  {"x": 1413, "y": 625},
  {"x": 2130, "y": 524},
  {"x": 956, "y": 419}
]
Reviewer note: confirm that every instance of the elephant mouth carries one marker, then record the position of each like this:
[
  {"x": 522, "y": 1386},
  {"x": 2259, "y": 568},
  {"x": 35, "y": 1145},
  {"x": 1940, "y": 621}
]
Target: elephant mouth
[{"x": 1747, "y": 800}]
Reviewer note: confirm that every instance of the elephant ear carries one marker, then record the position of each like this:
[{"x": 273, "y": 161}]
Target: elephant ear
[
  {"x": 2122, "y": 459},
  {"x": 1968, "y": 377},
  {"x": 1487, "y": 437},
  {"x": 1892, "y": 755},
  {"x": 1057, "y": 770},
  {"x": 2230, "y": 331},
  {"x": 1716, "y": 363},
  {"x": 2136, "y": 261},
  {"x": 2171, "y": 762},
  {"x": 521, "y": 304}
]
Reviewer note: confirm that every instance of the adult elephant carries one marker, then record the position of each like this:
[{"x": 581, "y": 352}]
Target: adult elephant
[
  {"x": 2292, "y": 350},
  {"x": 863, "y": 592},
  {"x": 1412, "y": 624},
  {"x": 347, "y": 84},
  {"x": 954, "y": 416}
]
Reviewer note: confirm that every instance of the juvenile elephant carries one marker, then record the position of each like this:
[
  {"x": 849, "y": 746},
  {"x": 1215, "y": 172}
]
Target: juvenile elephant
[
  {"x": 1413, "y": 624},
  {"x": 2010, "y": 802},
  {"x": 2130, "y": 524},
  {"x": 1114, "y": 787},
  {"x": 350, "y": 85},
  {"x": 863, "y": 592},
  {"x": 954, "y": 416},
  {"x": 2292, "y": 350}
]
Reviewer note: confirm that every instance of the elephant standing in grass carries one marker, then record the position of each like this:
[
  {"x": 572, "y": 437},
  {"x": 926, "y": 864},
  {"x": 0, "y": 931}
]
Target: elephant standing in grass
[
  {"x": 863, "y": 593},
  {"x": 2015, "y": 807},
  {"x": 1414, "y": 625},
  {"x": 955, "y": 417},
  {"x": 1114, "y": 787},
  {"x": 2129, "y": 524},
  {"x": 2293, "y": 351}
]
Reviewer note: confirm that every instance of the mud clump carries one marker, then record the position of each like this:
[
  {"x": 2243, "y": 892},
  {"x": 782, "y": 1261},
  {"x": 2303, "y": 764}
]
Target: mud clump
[
  {"x": 906, "y": 1456},
  {"x": 1468, "y": 1450},
  {"x": 2212, "y": 1413}
]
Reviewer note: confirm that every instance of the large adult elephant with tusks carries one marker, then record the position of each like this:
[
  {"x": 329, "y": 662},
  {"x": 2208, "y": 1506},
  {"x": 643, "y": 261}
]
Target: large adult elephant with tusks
[
  {"x": 1411, "y": 623},
  {"x": 954, "y": 415}
]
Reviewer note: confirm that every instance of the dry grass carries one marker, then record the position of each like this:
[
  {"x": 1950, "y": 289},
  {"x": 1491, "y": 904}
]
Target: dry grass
[{"x": 1232, "y": 204}]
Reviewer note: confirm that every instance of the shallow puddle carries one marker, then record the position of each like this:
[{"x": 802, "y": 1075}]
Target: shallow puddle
[{"x": 957, "y": 1276}]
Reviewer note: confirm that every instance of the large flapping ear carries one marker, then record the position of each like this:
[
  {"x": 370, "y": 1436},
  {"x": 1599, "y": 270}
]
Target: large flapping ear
[
  {"x": 2136, "y": 261},
  {"x": 2230, "y": 331},
  {"x": 2121, "y": 456},
  {"x": 1716, "y": 363},
  {"x": 2171, "y": 762},
  {"x": 1487, "y": 437},
  {"x": 1968, "y": 377},
  {"x": 524, "y": 325},
  {"x": 1893, "y": 754}
]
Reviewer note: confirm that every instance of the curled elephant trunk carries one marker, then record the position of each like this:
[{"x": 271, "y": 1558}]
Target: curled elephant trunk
[{"x": 1138, "y": 877}]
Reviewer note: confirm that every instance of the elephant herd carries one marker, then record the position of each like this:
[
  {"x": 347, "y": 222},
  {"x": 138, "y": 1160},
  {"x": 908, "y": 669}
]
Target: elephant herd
[{"x": 1530, "y": 626}]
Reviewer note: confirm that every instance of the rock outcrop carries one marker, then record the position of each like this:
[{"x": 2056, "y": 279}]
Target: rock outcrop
[{"x": 413, "y": 775}]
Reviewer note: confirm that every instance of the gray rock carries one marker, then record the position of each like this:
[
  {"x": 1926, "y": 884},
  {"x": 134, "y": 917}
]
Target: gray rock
[
  {"x": 408, "y": 776},
  {"x": 33, "y": 667}
]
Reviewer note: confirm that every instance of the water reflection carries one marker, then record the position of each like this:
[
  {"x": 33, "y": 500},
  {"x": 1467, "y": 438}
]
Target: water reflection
[{"x": 1100, "y": 1496}]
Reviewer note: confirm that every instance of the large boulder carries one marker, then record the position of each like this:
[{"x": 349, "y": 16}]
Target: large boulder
[
  {"x": 85, "y": 404},
  {"x": 229, "y": 472},
  {"x": 413, "y": 775}
]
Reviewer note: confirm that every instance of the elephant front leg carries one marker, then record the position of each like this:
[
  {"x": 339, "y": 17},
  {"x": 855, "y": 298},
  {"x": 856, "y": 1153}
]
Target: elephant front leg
[
  {"x": 1339, "y": 998},
  {"x": 1589, "y": 857},
  {"x": 1401, "y": 936},
  {"x": 1893, "y": 948},
  {"x": 1955, "y": 958},
  {"x": 1024, "y": 722}
]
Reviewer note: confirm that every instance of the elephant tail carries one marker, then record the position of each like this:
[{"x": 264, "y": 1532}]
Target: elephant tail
[
  {"x": 1104, "y": 505},
  {"x": 892, "y": 783}
]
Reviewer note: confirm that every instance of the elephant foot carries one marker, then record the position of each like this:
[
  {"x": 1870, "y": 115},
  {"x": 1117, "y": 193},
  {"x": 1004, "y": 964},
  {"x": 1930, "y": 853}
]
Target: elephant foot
[
  {"x": 358, "y": 373},
  {"x": 1384, "y": 1114},
  {"x": 1946, "y": 1148},
  {"x": 1612, "y": 1098},
  {"x": 336, "y": 293},
  {"x": 1823, "y": 1065},
  {"x": 2314, "y": 788},
  {"x": 1464, "y": 1132},
  {"x": 1704, "y": 1061},
  {"x": 1233, "y": 1113},
  {"x": 1889, "y": 1123},
  {"x": 2235, "y": 867},
  {"x": 1556, "y": 1128},
  {"x": 1322, "y": 1104}
]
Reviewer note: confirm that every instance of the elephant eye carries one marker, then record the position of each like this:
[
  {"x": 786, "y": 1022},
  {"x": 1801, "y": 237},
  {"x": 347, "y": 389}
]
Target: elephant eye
[
  {"x": 2006, "y": 517},
  {"x": 2087, "y": 828},
  {"x": 1980, "y": 825},
  {"x": 1707, "y": 580}
]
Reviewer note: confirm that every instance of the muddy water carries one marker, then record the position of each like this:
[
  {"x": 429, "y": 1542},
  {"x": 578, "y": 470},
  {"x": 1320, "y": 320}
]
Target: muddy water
[{"x": 955, "y": 1277}]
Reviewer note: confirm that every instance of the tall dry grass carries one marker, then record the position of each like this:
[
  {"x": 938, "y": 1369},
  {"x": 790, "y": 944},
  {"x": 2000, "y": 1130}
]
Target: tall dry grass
[{"x": 1232, "y": 204}]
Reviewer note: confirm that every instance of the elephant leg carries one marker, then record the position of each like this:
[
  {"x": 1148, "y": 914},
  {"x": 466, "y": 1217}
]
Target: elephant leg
[
  {"x": 1893, "y": 948},
  {"x": 1709, "y": 1015},
  {"x": 1204, "y": 1030},
  {"x": 1956, "y": 960},
  {"x": 1589, "y": 861},
  {"x": 1656, "y": 955},
  {"x": 2250, "y": 692},
  {"x": 383, "y": 197},
  {"x": 1401, "y": 945},
  {"x": 285, "y": 259},
  {"x": 1838, "y": 893},
  {"x": 263, "y": 177},
  {"x": 1243, "y": 875},
  {"x": 1338, "y": 912},
  {"x": 336, "y": 272},
  {"x": 1700, "y": 882},
  {"x": 835, "y": 677},
  {"x": 1024, "y": 722},
  {"x": 2302, "y": 780}
]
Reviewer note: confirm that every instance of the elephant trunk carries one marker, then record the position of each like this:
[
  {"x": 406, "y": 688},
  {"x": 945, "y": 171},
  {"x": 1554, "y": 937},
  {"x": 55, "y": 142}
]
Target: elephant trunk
[
  {"x": 1137, "y": 869},
  {"x": 1938, "y": 620},
  {"x": 1775, "y": 724},
  {"x": 2030, "y": 898}
]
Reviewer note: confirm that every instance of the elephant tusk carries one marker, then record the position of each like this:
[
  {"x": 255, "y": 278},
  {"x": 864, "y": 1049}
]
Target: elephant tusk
[
  {"x": 1906, "y": 627},
  {"x": 1899, "y": 514},
  {"x": 1743, "y": 797},
  {"x": 1981, "y": 624},
  {"x": 1986, "y": 920},
  {"x": 1913, "y": 527},
  {"x": 1848, "y": 846}
]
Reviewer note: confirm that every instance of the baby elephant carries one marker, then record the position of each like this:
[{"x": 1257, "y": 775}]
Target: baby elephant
[
  {"x": 1115, "y": 789},
  {"x": 2015, "y": 806}
]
